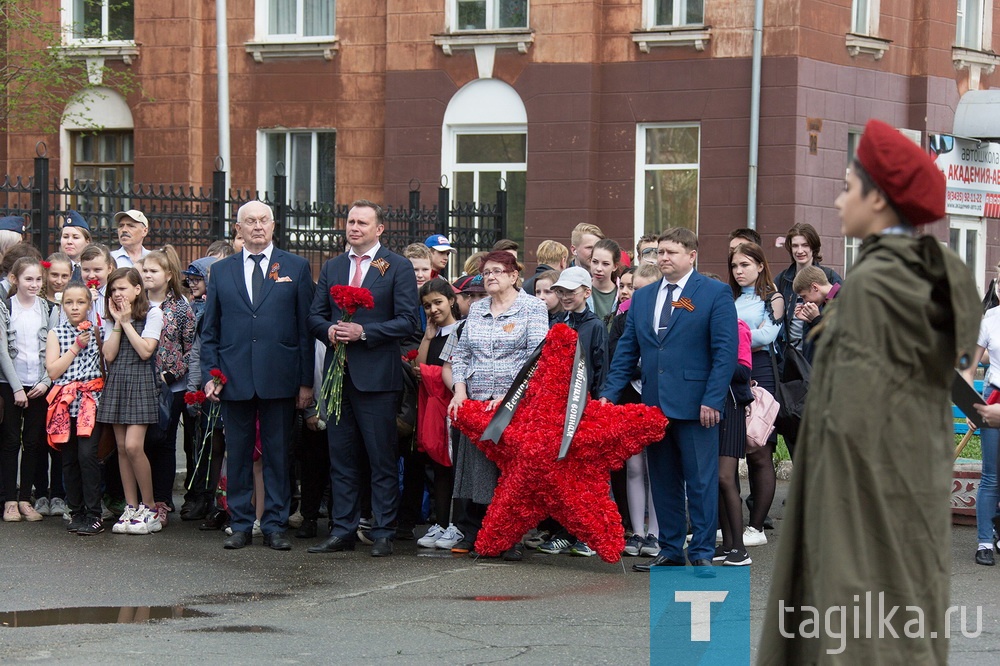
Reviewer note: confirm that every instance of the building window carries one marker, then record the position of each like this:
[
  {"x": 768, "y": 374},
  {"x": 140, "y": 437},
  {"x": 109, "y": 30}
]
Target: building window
[
  {"x": 864, "y": 17},
  {"x": 969, "y": 26},
  {"x": 851, "y": 244},
  {"x": 100, "y": 20},
  {"x": 672, "y": 13},
  {"x": 486, "y": 162},
  {"x": 490, "y": 14},
  {"x": 667, "y": 176},
  {"x": 101, "y": 166},
  {"x": 307, "y": 159},
  {"x": 965, "y": 237},
  {"x": 297, "y": 19}
]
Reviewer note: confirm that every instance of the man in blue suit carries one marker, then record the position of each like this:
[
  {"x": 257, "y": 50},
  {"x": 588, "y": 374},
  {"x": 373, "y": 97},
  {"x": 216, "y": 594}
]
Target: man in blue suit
[
  {"x": 254, "y": 330},
  {"x": 373, "y": 376},
  {"x": 683, "y": 328}
]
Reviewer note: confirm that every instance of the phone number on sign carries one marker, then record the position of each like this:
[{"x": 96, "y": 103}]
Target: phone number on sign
[{"x": 967, "y": 197}]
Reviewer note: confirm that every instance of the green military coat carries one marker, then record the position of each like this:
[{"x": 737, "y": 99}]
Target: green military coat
[{"x": 868, "y": 510}]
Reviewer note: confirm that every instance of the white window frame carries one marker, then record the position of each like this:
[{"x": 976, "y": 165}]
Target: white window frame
[
  {"x": 971, "y": 225},
  {"x": 262, "y": 13},
  {"x": 492, "y": 18},
  {"x": 680, "y": 9},
  {"x": 865, "y": 23},
  {"x": 262, "y": 166},
  {"x": 961, "y": 18},
  {"x": 67, "y": 14},
  {"x": 639, "y": 227}
]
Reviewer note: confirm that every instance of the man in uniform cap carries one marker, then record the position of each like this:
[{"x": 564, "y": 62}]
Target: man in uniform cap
[{"x": 868, "y": 518}]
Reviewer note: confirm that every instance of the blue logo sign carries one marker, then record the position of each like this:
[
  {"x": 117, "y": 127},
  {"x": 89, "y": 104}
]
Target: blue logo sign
[{"x": 699, "y": 620}]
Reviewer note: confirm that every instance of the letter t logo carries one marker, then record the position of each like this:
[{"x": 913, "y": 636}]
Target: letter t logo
[{"x": 701, "y": 610}]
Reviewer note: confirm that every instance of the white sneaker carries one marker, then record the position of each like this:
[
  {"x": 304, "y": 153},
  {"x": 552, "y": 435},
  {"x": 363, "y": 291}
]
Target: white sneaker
[
  {"x": 433, "y": 534},
  {"x": 106, "y": 512},
  {"x": 57, "y": 507},
  {"x": 42, "y": 506},
  {"x": 255, "y": 530},
  {"x": 145, "y": 521},
  {"x": 295, "y": 520},
  {"x": 449, "y": 538},
  {"x": 718, "y": 537},
  {"x": 121, "y": 527},
  {"x": 753, "y": 537}
]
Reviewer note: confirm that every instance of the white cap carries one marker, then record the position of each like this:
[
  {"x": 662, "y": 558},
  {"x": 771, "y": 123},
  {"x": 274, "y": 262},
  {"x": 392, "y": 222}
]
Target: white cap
[
  {"x": 133, "y": 214},
  {"x": 573, "y": 277}
]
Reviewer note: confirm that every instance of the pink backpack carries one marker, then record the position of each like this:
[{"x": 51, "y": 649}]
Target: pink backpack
[{"x": 761, "y": 414}]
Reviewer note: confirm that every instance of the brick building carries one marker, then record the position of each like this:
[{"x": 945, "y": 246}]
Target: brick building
[{"x": 630, "y": 114}]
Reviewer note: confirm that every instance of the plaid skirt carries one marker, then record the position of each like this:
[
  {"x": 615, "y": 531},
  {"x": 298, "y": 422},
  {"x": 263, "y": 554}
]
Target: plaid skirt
[{"x": 130, "y": 393}]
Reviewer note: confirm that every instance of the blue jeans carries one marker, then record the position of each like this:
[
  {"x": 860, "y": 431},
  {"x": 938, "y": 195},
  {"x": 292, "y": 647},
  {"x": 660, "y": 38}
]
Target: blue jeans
[{"x": 987, "y": 495}]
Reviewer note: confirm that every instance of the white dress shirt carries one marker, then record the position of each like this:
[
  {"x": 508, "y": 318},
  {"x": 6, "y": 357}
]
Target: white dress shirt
[
  {"x": 661, "y": 298},
  {"x": 365, "y": 263},
  {"x": 249, "y": 265}
]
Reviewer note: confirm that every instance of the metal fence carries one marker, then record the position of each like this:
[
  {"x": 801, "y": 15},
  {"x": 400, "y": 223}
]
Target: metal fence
[{"x": 190, "y": 219}]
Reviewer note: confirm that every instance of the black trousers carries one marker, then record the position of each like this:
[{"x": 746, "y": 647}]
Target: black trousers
[
  {"x": 314, "y": 459},
  {"x": 82, "y": 472},
  {"x": 161, "y": 449},
  {"x": 22, "y": 432}
]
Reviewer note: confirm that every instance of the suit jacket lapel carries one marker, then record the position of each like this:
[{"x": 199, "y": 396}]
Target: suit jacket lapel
[
  {"x": 373, "y": 272},
  {"x": 240, "y": 280}
]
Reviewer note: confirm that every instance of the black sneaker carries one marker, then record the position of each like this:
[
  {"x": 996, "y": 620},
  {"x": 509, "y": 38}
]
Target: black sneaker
[
  {"x": 91, "y": 527},
  {"x": 462, "y": 547},
  {"x": 77, "y": 521},
  {"x": 738, "y": 558},
  {"x": 721, "y": 554},
  {"x": 514, "y": 554}
]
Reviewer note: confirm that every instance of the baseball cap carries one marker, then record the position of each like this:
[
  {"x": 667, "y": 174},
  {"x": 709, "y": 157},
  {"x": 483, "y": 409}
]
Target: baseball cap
[
  {"x": 469, "y": 284},
  {"x": 573, "y": 277},
  {"x": 199, "y": 267},
  {"x": 133, "y": 214},
  {"x": 439, "y": 243}
]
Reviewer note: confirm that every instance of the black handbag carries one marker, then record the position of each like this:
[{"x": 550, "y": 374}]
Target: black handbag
[{"x": 792, "y": 385}]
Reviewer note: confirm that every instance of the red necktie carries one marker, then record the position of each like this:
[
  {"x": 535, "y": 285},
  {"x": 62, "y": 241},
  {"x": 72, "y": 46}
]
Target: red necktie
[{"x": 356, "y": 280}]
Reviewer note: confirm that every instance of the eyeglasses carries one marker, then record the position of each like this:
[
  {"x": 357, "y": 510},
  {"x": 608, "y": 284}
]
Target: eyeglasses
[
  {"x": 648, "y": 252},
  {"x": 188, "y": 281},
  {"x": 256, "y": 222},
  {"x": 495, "y": 271}
]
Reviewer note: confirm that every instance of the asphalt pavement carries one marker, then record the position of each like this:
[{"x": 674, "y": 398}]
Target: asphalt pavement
[{"x": 261, "y": 606}]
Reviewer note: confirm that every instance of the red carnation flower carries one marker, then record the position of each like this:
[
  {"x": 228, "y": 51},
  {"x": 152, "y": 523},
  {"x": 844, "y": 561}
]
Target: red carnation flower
[
  {"x": 349, "y": 299},
  {"x": 410, "y": 355},
  {"x": 194, "y": 397},
  {"x": 218, "y": 377},
  {"x": 93, "y": 283},
  {"x": 84, "y": 325},
  {"x": 46, "y": 264}
]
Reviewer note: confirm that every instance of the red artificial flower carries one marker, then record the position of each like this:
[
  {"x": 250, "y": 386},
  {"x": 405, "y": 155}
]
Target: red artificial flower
[
  {"x": 93, "y": 283},
  {"x": 194, "y": 397},
  {"x": 46, "y": 264},
  {"x": 84, "y": 325},
  {"x": 218, "y": 377},
  {"x": 349, "y": 299},
  {"x": 410, "y": 355}
]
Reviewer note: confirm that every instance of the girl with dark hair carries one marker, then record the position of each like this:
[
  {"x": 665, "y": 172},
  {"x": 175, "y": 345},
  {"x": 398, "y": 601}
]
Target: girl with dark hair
[
  {"x": 761, "y": 306},
  {"x": 130, "y": 403}
]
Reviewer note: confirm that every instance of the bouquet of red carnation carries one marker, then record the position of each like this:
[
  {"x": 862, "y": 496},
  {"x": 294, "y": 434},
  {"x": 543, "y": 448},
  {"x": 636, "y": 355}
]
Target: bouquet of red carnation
[
  {"x": 349, "y": 300},
  {"x": 198, "y": 398}
]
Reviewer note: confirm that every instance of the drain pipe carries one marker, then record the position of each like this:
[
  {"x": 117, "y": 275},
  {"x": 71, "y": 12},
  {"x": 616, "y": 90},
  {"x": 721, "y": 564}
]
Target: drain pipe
[
  {"x": 758, "y": 47},
  {"x": 222, "y": 55}
]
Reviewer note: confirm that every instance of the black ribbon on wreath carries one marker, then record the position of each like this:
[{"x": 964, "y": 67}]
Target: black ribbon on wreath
[{"x": 574, "y": 407}]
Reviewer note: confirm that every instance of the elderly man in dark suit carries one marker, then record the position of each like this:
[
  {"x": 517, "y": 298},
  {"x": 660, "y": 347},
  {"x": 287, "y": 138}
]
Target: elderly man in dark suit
[
  {"x": 254, "y": 330},
  {"x": 684, "y": 330},
  {"x": 373, "y": 377}
]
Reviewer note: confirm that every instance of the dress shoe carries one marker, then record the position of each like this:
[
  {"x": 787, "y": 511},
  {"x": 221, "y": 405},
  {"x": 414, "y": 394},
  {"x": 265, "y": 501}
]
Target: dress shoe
[
  {"x": 658, "y": 561},
  {"x": 382, "y": 547},
  {"x": 277, "y": 541},
  {"x": 236, "y": 541},
  {"x": 215, "y": 521},
  {"x": 195, "y": 509},
  {"x": 984, "y": 556},
  {"x": 334, "y": 544},
  {"x": 307, "y": 530}
]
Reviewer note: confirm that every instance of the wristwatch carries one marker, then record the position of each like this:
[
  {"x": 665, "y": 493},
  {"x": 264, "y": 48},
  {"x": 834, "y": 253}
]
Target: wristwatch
[{"x": 363, "y": 336}]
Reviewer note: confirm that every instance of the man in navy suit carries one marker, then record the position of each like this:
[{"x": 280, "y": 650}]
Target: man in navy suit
[
  {"x": 254, "y": 330},
  {"x": 373, "y": 376},
  {"x": 683, "y": 328}
]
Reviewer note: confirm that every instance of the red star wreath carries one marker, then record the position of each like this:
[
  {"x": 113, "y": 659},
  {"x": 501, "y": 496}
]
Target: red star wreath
[{"x": 574, "y": 490}]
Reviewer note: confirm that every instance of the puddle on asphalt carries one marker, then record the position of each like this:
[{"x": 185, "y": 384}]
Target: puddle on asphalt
[
  {"x": 238, "y": 629},
  {"x": 47, "y": 617}
]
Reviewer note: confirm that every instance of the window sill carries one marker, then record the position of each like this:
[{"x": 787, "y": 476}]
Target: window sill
[
  {"x": 694, "y": 35},
  {"x": 964, "y": 58},
  {"x": 874, "y": 46},
  {"x": 93, "y": 49},
  {"x": 321, "y": 47},
  {"x": 452, "y": 41}
]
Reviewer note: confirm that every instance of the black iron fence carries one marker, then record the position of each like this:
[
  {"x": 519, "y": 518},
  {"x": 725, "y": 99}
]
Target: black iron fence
[{"x": 191, "y": 219}]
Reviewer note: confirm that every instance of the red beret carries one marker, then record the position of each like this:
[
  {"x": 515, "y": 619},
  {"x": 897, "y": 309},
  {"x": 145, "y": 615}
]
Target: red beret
[{"x": 904, "y": 172}]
